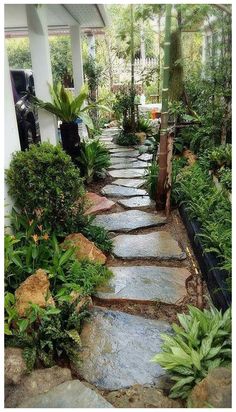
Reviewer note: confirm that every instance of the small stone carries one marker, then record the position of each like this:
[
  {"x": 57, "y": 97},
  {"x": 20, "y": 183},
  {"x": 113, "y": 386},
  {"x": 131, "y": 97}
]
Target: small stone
[
  {"x": 14, "y": 366},
  {"x": 39, "y": 381},
  {"x": 145, "y": 284},
  {"x": 117, "y": 349},
  {"x": 97, "y": 203},
  {"x": 130, "y": 220},
  {"x": 158, "y": 245},
  {"x": 146, "y": 157},
  {"x": 136, "y": 183},
  {"x": 131, "y": 153},
  {"x": 127, "y": 165},
  {"x": 35, "y": 289},
  {"x": 127, "y": 173},
  {"x": 141, "y": 202},
  {"x": 214, "y": 391},
  {"x": 71, "y": 394},
  {"x": 115, "y": 191},
  {"x": 84, "y": 248}
]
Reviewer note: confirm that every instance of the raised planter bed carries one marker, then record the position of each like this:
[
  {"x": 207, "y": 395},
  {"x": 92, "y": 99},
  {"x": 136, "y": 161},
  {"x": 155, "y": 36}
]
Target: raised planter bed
[{"x": 208, "y": 262}]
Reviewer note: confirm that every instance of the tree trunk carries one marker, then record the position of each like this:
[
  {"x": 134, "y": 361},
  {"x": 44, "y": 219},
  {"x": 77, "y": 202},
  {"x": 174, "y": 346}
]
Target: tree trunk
[
  {"x": 132, "y": 108},
  {"x": 161, "y": 183},
  {"x": 159, "y": 58},
  {"x": 170, "y": 141}
]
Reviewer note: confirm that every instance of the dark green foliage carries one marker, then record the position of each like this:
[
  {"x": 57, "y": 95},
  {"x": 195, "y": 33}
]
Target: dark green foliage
[
  {"x": 151, "y": 180},
  {"x": 46, "y": 186},
  {"x": 220, "y": 157},
  {"x": 225, "y": 177},
  {"x": 144, "y": 125},
  {"x": 127, "y": 139},
  {"x": 94, "y": 158},
  {"x": 210, "y": 207},
  {"x": 98, "y": 235},
  {"x": 93, "y": 72},
  {"x": 122, "y": 107},
  {"x": 201, "y": 343}
]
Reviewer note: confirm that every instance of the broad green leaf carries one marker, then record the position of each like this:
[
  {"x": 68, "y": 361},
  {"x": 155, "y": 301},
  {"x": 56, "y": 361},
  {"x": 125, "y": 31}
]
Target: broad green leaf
[{"x": 196, "y": 359}]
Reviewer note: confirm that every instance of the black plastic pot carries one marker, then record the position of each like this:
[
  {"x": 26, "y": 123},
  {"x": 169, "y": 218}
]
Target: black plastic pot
[
  {"x": 208, "y": 262},
  {"x": 70, "y": 139}
]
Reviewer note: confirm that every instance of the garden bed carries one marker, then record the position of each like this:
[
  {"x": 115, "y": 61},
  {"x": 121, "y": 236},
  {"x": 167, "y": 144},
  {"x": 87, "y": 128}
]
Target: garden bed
[{"x": 208, "y": 262}]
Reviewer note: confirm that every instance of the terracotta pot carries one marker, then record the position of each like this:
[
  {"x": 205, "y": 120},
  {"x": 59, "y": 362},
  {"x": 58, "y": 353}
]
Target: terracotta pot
[{"x": 70, "y": 139}]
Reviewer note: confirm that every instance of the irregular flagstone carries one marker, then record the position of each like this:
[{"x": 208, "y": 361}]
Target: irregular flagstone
[
  {"x": 130, "y": 220},
  {"x": 160, "y": 245},
  {"x": 124, "y": 165},
  {"x": 142, "y": 202},
  {"x": 120, "y": 160},
  {"x": 117, "y": 349},
  {"x": 133, "y": 153},
  {"x": 97, "y": 204},
  {"x": 128, "y": 173},
  {"x": 71, "y": 394},
  {"x": 129, "y": 182},
  {"x": 145, "y": 157},
  {"x": 116, "y": 191},
  {"x": 145, "y": 283},
  {"x": 121, "y": 149}
]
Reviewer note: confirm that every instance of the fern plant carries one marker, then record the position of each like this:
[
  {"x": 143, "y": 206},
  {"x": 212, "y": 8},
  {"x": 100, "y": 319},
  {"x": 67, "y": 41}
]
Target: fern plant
[
  {"x": 94, "y": 158},
  {"x": 202, "y": 342}
]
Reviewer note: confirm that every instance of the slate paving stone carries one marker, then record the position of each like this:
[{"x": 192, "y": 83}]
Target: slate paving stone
[
  {"x": 117, "y": 349},
  {"x": 121, "y": 191},
  {"x": 119, "y": 149},
  {"x": 133, "y": 153},
  {"x": 129, "y": 220},
  {"x": 127, "y": 173},
  {"x": 141, "y": 202},
  {"x": 145, "y": 157},
  {"x": 96, "y": 204},
  {"x": 122, "y": 160},
  {"x": 160, "y": 245},
  {"x": 129, "y": 182},
  {"x": 127, "y": 165},
  {"x": 71, "y": 394},
  {"x": 145, "y": 283}
]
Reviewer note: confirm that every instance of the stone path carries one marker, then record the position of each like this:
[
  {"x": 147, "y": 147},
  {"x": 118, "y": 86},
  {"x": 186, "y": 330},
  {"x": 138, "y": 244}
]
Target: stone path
[{"x": 117, "y": 347}]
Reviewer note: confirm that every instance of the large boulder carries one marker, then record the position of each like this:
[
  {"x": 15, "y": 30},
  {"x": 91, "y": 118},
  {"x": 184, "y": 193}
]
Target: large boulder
[
  {"x": 35, "y": 289},
  {"x": 38, "y": 382},
  {"x": 84, "y": 248},
  {"x": 215, "y": 391},
  {"x": 14, "y": 366}
]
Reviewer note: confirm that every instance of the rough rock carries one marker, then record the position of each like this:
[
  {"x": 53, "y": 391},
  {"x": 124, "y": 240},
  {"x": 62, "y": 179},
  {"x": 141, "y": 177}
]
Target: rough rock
[
  {"x": 97, "y": 204},
  {"x": 136, "y": 183},
  {"x": 71, "y": 394},
  {"x": 129, "y": 220},
  {"x": 146, "y": 157},
  {"x": 145, "y": 283},
  {"x": 141, "y": 137},
  {"x": 127, "y": 173},
  {"x": 139, "y": 396},
  {"x": 39, "y": 381},
  {"x": 214, "y": 391},
  {"x": 117, "y": 348},
  {"x": 14, "y": 366},
  {"x": 125, "y": 165},
  {"x": 141, "y": 202},
  {"x": 35, "y": 289},
  {"x": 122, "y": 160},
  {"x": 116, "y": 191},
  {"x": 84, "y": 248},
  {"x": 131, "y": 153},
  {"x": 86, "y": 300},
  {"x": 158, "y": 245}
]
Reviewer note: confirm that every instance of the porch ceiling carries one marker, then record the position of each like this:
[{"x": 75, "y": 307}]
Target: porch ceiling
[{"x": 58, "y": 16}]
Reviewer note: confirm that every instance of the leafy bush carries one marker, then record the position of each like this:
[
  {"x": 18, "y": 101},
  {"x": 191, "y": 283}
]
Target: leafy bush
[
  {"x": 205, "y": 203},
  {"x": 47, "y": 187},
  {"x": 225, "y": 176},
  {"x": 94, "y": 158},
  {"x": 220, "y": 156},
  {"x": 127, "y": 139},
  {"x": 201, "y": 343},
  {"x": 144, "y": 125},
  {"x": 98, "y": 235},
  {"x": 151, "y": 180}
]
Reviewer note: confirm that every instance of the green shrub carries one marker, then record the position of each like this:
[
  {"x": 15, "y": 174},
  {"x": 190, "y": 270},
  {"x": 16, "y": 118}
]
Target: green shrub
[
  {"x": 151, "y": 180},
  {"x": 225, "y": 177},
  {"x": 46, "y": 186},
  {"x": 144, "y": 125},
  {"x": 220, "y": 156},
  {"x": 98, "y": 235},
  {"x": 201, "y": 343},
  {"x": 127, "y": 139},
  {"x": 94, "y": 158}
]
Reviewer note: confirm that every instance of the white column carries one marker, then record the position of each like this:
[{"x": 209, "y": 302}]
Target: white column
[
  {"x": 77, "y": 62},
  {"x": 91, "y": 45},
  {"x": 41, "y": 64},
  {"x": 11, "y": 135}
]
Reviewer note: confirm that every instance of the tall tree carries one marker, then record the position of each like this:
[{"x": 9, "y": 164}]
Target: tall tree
[{"x": 161, "y": 189}]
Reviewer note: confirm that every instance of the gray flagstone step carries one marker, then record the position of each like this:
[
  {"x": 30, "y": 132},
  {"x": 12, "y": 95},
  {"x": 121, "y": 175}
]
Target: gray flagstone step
[
  {"x": 122, "y": 191},
  {"x": 131, "y": 165},
  {"x": 127, "y": 173},
  {"x": 131, "y": 153},
  {"x": 136, "y": 183},
  {"x": 139, "y": 202}
]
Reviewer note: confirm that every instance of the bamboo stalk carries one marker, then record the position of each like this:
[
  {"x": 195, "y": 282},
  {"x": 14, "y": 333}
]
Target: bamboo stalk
[{"x": 170, "y": 141}]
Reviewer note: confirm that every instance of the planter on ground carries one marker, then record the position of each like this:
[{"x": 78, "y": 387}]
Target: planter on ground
[
  {"x": 208, "y": 262},
  {"x": 70, "y": 139}
]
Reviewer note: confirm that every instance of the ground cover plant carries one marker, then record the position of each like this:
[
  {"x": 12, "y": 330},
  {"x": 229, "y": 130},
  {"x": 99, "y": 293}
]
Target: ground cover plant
[
  {"x": 127, "y": 139},
  {"x": 93, "y": 160},
  {"x": 200, "y": 343}
]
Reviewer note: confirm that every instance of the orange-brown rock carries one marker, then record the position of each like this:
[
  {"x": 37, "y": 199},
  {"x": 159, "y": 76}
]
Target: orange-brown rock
[
  {"x": 141, "y": 136},
  {"x": 86, "y": 300},
  {"x": 96, "y": 203},
  {"x": 84, "y": 248},
  {"x": 35, "y": 289}
]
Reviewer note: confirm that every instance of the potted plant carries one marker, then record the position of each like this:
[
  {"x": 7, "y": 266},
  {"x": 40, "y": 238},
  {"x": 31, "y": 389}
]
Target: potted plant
[{"x": 68, "y": 109}]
